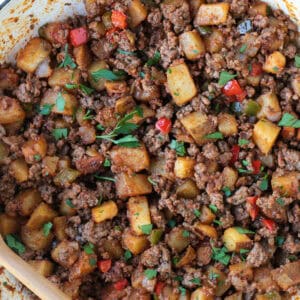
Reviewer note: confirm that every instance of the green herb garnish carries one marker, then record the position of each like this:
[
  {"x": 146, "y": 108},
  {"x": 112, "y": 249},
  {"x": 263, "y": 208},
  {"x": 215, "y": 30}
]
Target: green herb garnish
[
  {"x": 279, "y": 240},
  {"x": 127, "y": 255},
  {"x": 214, "y": 135},
  {"x": 47, "y": 228},
  {"x": 221, "y": 255},
  {"x": 60, "y": 133},
  {"x": 213, "y": 208},
  {"x": 264, "y": 185},
  {"x": 60, "y": 102},
  {"x": 226, "y": 191},
  {"x": 244, "y": 230},
  {"x": 297, "y": 61},
  {"x": 89, "y": 248},
  {"x": 280, "y": 201},
  {"x": 92, "y": 261},
  {"x": 243, "y": 48},
  {"x": 197, "y": 213},
  {"x": 146, "y": 229},
  {"x": 196, "y": 281},
  {"x": 150, "y": 273},
  {"x": 68, "y": 61},
  {"x": 289, "y": 120},
  {"x": 185, "y": 233},
  {"x": 13, "y": 243},
  {"x": 108, "y": 74},
  {"x": 213, "y": 276},
  {"x": 243, "y": 142},
  {"x": 46, "y": 109},
  {"x": 154, "y": 60},
  {"x": 107, "y": 162},
  {"x": 151, "y": 181},
  {"x": 69, "y": 203},
  {"x": 178, "y": 147},
  {"x": 225, "y": 77},
  {"x": 105, "y": 178},
  {"x": 124, "y": 52}
]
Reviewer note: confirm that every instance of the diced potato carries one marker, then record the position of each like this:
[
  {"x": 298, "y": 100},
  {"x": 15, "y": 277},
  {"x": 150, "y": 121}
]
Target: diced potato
[
  {"x": 124, "y": 105},
  {"x": 60, "y": 225},
  {"x": 44, "y": 69},
  {"x": 4, "y": 152},
  {"x": 10, "y": 110},
  {"x": 252, "y": 44},
  {"x": 50, "y": 164},
  {"x": 86, "y": 264},
  {"x": 66, "y": 253},
  {"x": 267, "y": 296},
  {"x": 41, "y": 215},
  {"x": 188, "y": 189},
  {"x": 223, "y": 284},
  {"x": 64, "y": 163},
  {"x": 135, "y": 244},
  {"x": 19, "y": 170},
  {"x": 43, "y": 267},
  {"x": 114, "y": 248},
  {"x": 242, "y": 269},
  {"x": 181, "y": 84},
  {"x": 70, "y": 102},
  {"x": 147, "y": 113},
  {"x": 198, "y": 125},
  {"x": 35, "y": 239},
  {"x": 66, "y": 208},
  {"x": 65, "y": 177},
  {"x": 56, "y": 33},
  {"x": 286, "y": 184},
  {"x": 9, "y": 79},
  {"x": 214, "y": 41},
  {"x": 230, "y": 177},
  {"x": 94, "y": 67},
  {"x": 275, "y": 63},
  {"x": 60, "y": 77},
  {"x": 177, "y": 240},
  {"x": 202, "y": 294},
  {"x": 192, "y": 45},
  {"x": 157, "y": 167},
  {"x": 132, "y": 185},
  {"x": 184, "y": 167},
  {"x": 207, "y": 216},
  {"x": 135, "y": 159},
  {"x": 27, "y": 201},
  {"x": 259, "y": 8},
  {"x": 82, "y": 56},
  {"x": 235, "y": 241},
  {"x": 138, "y": 213},
  {"x": 206, "y": 230},
  {"x": 265, "y": 134},
  {"x": 33, "y": 54},
  {"x": 141, "y": 282},
  {"x": 263, "y": 279},
  {"x": 106, "y": 211},
  {"x": 137, "y": 13},
  {"x": 8, "y": 225},
  {"x": 72, "y": 288},
  {"x": 212, "y": 14},
  {"x": 187, "y": 258},
  {"x": 35, "y": 149},
  {"x": 116, "y": 87},
  {"x": 287, "y": 275},
  {"x": 235, "y": 296},
  {"x": 296, "y": 84},
  {"x": 270, "y": 107},
  {"x": 227, "y": 124}
]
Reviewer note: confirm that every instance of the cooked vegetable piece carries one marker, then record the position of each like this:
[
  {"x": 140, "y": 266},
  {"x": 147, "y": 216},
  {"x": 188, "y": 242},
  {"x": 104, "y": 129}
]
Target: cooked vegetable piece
[
  {"x": 98, "y": 85},
  {"x": 135, "y": 244},
  {"x": 202, "y": 294},
  {"x": 106, "y": 211},
  {"x": 212, "y": 14},
  {"x": 114, "y": 248},
  {"x": 235, "y": 296},
  {"x": 296, "y": 84},
  {"x": 10, "y": 110},
  {"x": 286, "y": 184},
  {"x": 274, "y": 295},
  {"x": 82, "y": 57},
  {"x": 241, "y": 269},
  {"x": 50, "y": 164},
  {"x": 270, "y": 107},
  {"x": 192, "y": 44},
  {"x": 66, "y": 176},
  {"x": 35, "y": 149},
  {"x": 188, "y": 189},
  {"x": 43, "y": 267},
  {"x": 275, "y": 63},
  {"x": 222, "y": 283},
  {"x": 177, "y": 240},
  {"x": 235, "y": 241},
  {"x": 259, "y": 8},
  {"x": 207, "y": 216},
  {"x": 9, "y": 79},
  {"x": 214, "y": 41},
  {"x": 227, "y": 124},
  {"x": 206, "y": 230},
  {"x": 230, "y": 176},
  {"x": 60, "y": 226},
  {"x": 264, "y": 280},
  {"x": 19, "y": 170},
  {"x": 137, "y": 13},
  {"x": 8, "y": 224},
  {"x": 187, "y": 258},
  {"x": 184, "y": 167},
  {"x": 35, "y": 239},
  {"x": 86, "y": 264},
  {"x": 27, "y": 201},
  {"x": 66, "y": 253},
  {"x": 62, "y": 77}
]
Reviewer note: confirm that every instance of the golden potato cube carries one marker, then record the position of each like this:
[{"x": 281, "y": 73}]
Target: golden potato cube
[
  {"x": 259, "y": 8},
  {"x": 10, "y": 110},
  {"x": 43, "y": 267},
  {"x": 135, "y": 159},
  {"x": 187, "y": 258},
  {"x": 192, "y": 45},
  {"x": 61, "y": 77},
  {"x": 275, "y": 63},
  {"x": 286, "y": 184},
  {"x": 184, "y": 167},
  {"x": 132, "y": 185},
  {"x": 263, "y": 279},
  {"x": 274, "y": 295},
  {"x": 19, "y": 170},
  {"x": 181, "y": 84},
  {"x": 41, "y": 215},
  {"x": 65, "y": 177},
  {"x": 98, "y": 85},
  {"x": 198, "y": 125},
  {"x": 35, "y": 239},
  {"x": 50, "y": 164},
  {"x": 206, "y": 230},
  {"x": 27, "y": 201},
  {"x": 82, "y": 56},
  {"x": 135, "y": 244},
  {"x": 243, "y": 269},
  {"x": 70, "y": 102},
  {"x": 35, "y": 149},
  {"x": 270, "y": 107},
  {"x": 66, "y": 253},
  {"x": 106, "y": 211},
  {"x": 59, "y": 226},
  {"x": 296, "y": 84},
  {"x": 177, "y": 240},
  {"x": 124, "y": 105},
  {"x": 235, "y": 241},
  {"x": 227, "y": 124},
  {"x": 202, "y": 294},
  {"x": 8, "y": 225},
  {"x": 264, "y": 135},
  {"x": 137, "y": 13},
  {"x": 116, "y": 87},
  {"x": 212, "y": 14},
  {"x": 66, "y": 208},
  {"x": 35, "y": 51},
  {"x": 214, "y": 41},
  {"x": 147, "y": 113},
  {"x": 230, "y": 177},
  {"x": 223, "y": 284},
  {"x": 207, "y": 216},
  {"x": 138, "y": 213},
  {"x": 188, "y": 189}
]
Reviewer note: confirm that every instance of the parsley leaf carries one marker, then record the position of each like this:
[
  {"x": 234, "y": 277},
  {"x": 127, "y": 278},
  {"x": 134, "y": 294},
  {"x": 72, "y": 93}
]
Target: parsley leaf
[
  {"x": 185, "y": 233},
  {"x": 243, "y": 48},
  {"x": 69, "y": 203},
  {"x": 264, "y": 184},
  {"x": 196, "y": 281},
  {"x": 37, "y": 157},
  {"x": 289, "y": 120},
  {"x": 108, "y": 74},
  {"x": 243, "y": 142},
  {"x": 279, "y": 240},
  {"x": 151, "y": 181},
  {"x": 68, "y": 61},
  {"x": 214, "y": 135},
  {"x": 171, "y": 223},
  {"x": 88, "y": 115},
  {"x": 225, "y": 77},
  {"x": 197, "y": 213},
  {"x": 128, "y": 141},
  {"x": 107, "y": 162},
  {"x": 213, "y": 276},
  {"x": 146, "y": 229},
  {"x": 182, "y": 290},
  {"x": 127, "y": 255},
  {"x": 154, "y": 60},
  {"x": 13, "y": 243},
  {"x": 60, "y": 102},
  {"x": 60, "y": 133},
  {"x": 46, "y": 109},
  {"x": 130, "y": 53},
  {"x": 213, "y": 208},
  {"x": 221, "y": 255},
  {"x": 150, "y": 273},
  {"x": 89, "y": 248},
  {"x": 297, "y": 61},
  {"x": 47, "y": 228},
  {"x": 92, "y": 261},
  {"x": 244, "y": 230},
  {"x": 178, "y": 147},
  {"x": 226, "y": 191},
  {"x": 105, "y": 178},
  {"x": 85, "y": 89},
  {"x": 280, "y": 201}
]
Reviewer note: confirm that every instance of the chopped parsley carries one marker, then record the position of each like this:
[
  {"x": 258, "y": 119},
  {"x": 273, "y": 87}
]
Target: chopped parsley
[
  {"x": 93, "y": 261},
  {"x": 264, "y": 185},
  {"x": 89, "y": 248},
  {"x": 146, "y": 229},
  {"x": 221, "y": 255},
  {"x": 37, "y": 157},
  {"x": 100, "y": 127},
  {"x": 214, "y": 135},
  {"x": 182, "y": 290},
  {"x": 153, "y": 60},
  {"x": 69, "y": 203},
  {"x": 46, "y": 109},
  {"x": 243, "y": 252},
  {"x": 197, "y": 213},
  {"x": 60, "y": 133},
  {"x": 178, "y": 147},
  {"x": 297, "y": 61},
  {"x": 13, "y": 243},
  {"x": 225, "y": 77},
  {"x": 105, "y": 178},
  {"x": 107, "y": 162},
  {"x": 185, "y": 233},
  {"x": 127, "y": 255},
  {"x": 196, "y": 281},
  {"x": 68, "y": 61},
  {"x": 275, "y": 69},
  {"x": 226, "y": 191},
  {"x": 124, "y": 52},
  {"x": 243, "y": 142},
  {"x": 47, "y": 228},
  {"x": 150, "y": 273},
  {"x": 218, "y": 222},
  {"x": 243, "y": 48},
  {"x": 178, "y": 278},
  {"x": 280, "y": 201},
  {"x": 213, "y": 276},
  {"x": 151, "y": 181},
  {"x": 108, "y": 74},
  {"x": 244, "y": 230},
  {"x": 279, "y": 240},
  {"x": 171, "y": 223},
  {"x": 289, "y": 120},
  {"x": 213, "y": 208},
  {"x": 60, "y": 102},
  {"x": 88, "y": 115}
]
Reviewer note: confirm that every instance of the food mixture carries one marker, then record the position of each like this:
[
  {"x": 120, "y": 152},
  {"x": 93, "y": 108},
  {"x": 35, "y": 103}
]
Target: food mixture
[{"x": 150, "y": 150}]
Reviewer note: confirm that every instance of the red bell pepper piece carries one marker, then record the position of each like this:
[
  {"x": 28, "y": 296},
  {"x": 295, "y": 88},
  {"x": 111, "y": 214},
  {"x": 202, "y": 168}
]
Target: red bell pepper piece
[
  {"x": 256, "y": 164},
  {"x": 104, "y": 265},
  {"x": 164, "y": 125},
  {"x": 121, "y": 284},
  {"x": 235, "y": 153},
  {"x": 159, "y": 287},
  {"x": 252, "y": 200},
  {"x": 270, "y": 224},
  {"x": 78, "y": 36},
  {"x": 119, "y": 19},
  {"x": 233, "y": 88},
  {"x": 256, "y": 69},
  {"x": 254, "y": 209}
]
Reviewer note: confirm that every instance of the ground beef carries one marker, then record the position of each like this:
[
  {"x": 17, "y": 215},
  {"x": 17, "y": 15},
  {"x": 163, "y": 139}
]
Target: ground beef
[{"x": 258, "y": 256}]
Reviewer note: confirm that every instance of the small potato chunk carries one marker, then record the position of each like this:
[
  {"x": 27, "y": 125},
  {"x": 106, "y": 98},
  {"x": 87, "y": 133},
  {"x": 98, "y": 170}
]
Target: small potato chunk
[
  {"x": 138, "y": 214},
  {"x": 263, "y": 279},
  {"x": 65, "y": 177},
  {"x": 177, "y": 240},
  {"x": 275, "y": 63},
  {"x": 43, "y": 267},
  {"x": 8, "y": 225},
  {"x": 198, "y": 125},
  {"x": 207, "y": 216},
  {"x": 214, "y": 41},
  {"x": 19, "y": 170},
  {"x": 235, "y": 241},
  {"x": 222, "y": 283},
  {"x": 56, "y": 33},
  {"x": 35, "y": 239},
  {"x": 188, "y": 257},
  {"x": 66, "y": 208},
  {"x": 184, "y": 167},
  {"x": 274, "y": 295},
  {"x": 41, "y": 215},
  {"x": 106, "y": 211},
  {"x": 35, "y": 149},
  {"x": 206, "y": 230},
  {"x": 50, "y": 164},
  {"x": 259, "y": 8},
  {"x": 61, "y": 77},
  {"x": 286, "y": 184},
  {"x": 10, "y": 110},
  {"x": 116, "y": 87},
  {"x": 192, "y": 44},
  {"x": 137, "y": 13},
  {"x": 147, "y": 113},
  {"x": 135, "y": 244},
  {"x": 9, "y": 79},
  {"x": 135, "y": 159},
  {"x": 98, "y": 85},
  {"x": 242, "y": 269},
  {"x": 60, "y": 225},
  {"x": 124, "y": 105},
  {"x": 265, "y": 134},
  {"x": 230, "y": 177},
  {"x": 270, "y": 107},
  {"x": 132, "y": 185},
  {"x": 227, "y": 124},
  {"x": 33, "y": 54},
  {"x": 296, "y": 84},
  {"x": 180, "y": 83},
  {"x": 114, "y": 248},
  {"x": 66, "y": 253},
  {"x": 82, "y": 56},
  {"x": 212, "y": 14},
  {"x": 202, "y": 294},
  {"x": 27, "y": 201},
  {"x": 188, "y": 190}
]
